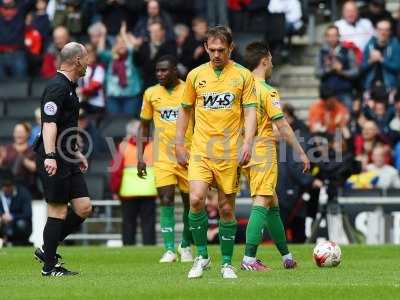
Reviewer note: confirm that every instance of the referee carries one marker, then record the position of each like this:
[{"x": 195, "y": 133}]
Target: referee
[{"x": 60, "y": 163}]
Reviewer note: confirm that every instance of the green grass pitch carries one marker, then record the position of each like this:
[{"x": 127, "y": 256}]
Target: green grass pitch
[{"x": 134, "y": 273}]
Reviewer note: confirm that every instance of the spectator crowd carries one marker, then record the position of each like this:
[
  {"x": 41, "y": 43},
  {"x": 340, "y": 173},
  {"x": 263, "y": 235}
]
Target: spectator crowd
[{"x": 358, "y": 65}]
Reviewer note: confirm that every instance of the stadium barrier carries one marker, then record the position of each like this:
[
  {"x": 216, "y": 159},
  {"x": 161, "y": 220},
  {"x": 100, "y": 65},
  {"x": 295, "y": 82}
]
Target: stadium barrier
[{"x": 377, "y": 218}]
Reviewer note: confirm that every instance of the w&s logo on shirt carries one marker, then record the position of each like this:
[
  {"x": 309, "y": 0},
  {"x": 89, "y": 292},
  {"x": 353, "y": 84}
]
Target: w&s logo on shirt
[
  {"x": 169, "y": 114},
  {"x": 218, "y": 100}
]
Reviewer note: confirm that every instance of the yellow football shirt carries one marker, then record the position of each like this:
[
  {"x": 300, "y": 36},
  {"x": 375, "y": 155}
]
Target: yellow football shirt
[
  {"x": 268, "y": 110},
  {"x": 162, "y": 106},
  {"x": 218, "y": 99}
]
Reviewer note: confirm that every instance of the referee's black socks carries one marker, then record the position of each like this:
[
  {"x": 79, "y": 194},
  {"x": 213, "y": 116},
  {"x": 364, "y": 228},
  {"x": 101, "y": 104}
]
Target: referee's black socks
[
  {"x": 71, "y": 224},
  {"x": 51, "y": 236}
]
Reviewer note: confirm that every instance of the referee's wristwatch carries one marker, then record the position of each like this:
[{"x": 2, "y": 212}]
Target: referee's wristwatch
[{"x": 50, "y": 155}]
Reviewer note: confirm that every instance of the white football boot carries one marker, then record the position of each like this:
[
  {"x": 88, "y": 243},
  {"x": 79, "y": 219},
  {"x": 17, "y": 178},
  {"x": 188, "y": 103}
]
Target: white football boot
[
  {"x": 199, "y": 265},
  {"x": 186, "y": 254},
  {"x": 228, "y": 271},
  {"x": 169, "y": 257}
]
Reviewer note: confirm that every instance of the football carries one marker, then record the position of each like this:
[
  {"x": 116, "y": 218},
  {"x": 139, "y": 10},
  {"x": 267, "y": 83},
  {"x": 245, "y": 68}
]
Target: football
[{"x": 327, "y": 254}]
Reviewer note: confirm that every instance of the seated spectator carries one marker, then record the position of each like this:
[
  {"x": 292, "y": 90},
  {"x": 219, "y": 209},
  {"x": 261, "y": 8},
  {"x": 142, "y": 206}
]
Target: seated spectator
[
  {"x": 96, "y": 31},
  {"x": 123, "y": 80},
  {"x": 68, "y": 14},
  {"x": 91, "y": 143},
  {"x": 15, "y": 211},
  {"x": 51, "y": 58},
  {"x": 377, "y": 11},
  {"x": 353, "y": 29},
  {"x": 327, "y": 114},
  {"x": 199, "y": 28},
  {"x": 365, "y": 142},
  {"x": 137, "y": 195},
  {"x": 34, "y": 47},
  {"x": 41, "y": 21},
  {"x": 91, "y": 87},
  {"x": 12, "y": 28},
  {"x": 154, "y": 14},
  {"x": 336, "y": 66},
  {"x": 19, "y": 157},
  {"x": 36, "y": 128},
  {"x": 377, "y": 110},
  {"x": 185, "y": 49},
  {"x": 387, "y": 175},
  {"x": 381, "y": 62},
  {"x": 150, "y": 51}
]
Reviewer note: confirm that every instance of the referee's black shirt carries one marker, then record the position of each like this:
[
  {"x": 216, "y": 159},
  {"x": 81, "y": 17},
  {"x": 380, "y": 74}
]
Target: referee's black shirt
[{"x": 60, "y": 105}]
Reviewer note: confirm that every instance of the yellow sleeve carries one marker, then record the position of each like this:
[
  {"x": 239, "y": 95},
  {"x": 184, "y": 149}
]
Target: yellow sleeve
[
  {"x": 189, "y": 94},
  {"x": 273, "y": 105},
  {"x": 249, "y": 98},
  {"x": 147, "y": 107}
]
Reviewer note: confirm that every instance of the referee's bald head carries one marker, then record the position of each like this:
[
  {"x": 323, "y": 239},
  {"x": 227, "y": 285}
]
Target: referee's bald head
[{"x": 71, "y": 51}]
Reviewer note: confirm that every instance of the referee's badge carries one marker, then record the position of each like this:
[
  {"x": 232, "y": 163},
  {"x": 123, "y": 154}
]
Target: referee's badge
[{"x": 50, "y": 108}]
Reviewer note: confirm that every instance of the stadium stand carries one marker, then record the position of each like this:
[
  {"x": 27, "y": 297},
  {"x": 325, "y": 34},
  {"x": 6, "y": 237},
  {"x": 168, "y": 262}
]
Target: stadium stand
[{"x": 295, "y": 54}]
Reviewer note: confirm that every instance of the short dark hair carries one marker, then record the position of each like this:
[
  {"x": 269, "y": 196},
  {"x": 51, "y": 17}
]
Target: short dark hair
[
  {"x": 332, "y": 26},
  {"x": 169, "y": 58},
  {"x": 157, "y": 22},
  {"x": 219, "y": 32},
  {"x": 254, "y": 52}
]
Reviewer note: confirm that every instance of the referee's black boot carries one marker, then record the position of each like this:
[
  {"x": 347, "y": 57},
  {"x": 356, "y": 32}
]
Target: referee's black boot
[
  {"x": 57, "y": 271},
  {"x": 39, "y": 255}
]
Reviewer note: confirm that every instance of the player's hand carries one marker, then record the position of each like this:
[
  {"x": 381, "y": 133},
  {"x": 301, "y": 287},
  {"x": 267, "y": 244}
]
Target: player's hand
[
  {"x": 141, "y": 169},
  {"x": 50, "y": 165},
  {"x": 306, "y": 162},
  {"x": 245, "y": 154},
  {"x": 83, "y": 162},
  {"x": 317, "y": 184},
  {"x": 182, "y": 155},
  {"x": 7, "y": 218}
]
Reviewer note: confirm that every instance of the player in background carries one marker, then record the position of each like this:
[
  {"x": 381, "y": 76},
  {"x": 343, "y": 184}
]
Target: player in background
[
  {"x": 161, "y": 103},
  {"x": 222, "y": 94},
  {"x": 262, "y": 170}
]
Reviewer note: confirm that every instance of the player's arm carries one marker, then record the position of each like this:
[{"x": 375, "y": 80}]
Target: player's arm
[
  {"x": 182, "y": 155},
  {"x": 250, "y": 127},
  {"x": 49, "y": 133},
  {"x": 143, "y": 136},
  {"x": 249, "y": 104},
  {"x": 146, "y": 116},
  {"x": 188, "y": 100},
  {"x": 288, "y": 135},
  {"x": 50, "y": 112}
]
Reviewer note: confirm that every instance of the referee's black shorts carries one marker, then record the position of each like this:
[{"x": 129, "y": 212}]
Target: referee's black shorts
[{"x": 68, "y": 183}]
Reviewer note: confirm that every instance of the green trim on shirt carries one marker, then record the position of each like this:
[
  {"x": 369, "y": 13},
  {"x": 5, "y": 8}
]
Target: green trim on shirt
[
  {"x": 184, "y": 105},
  {"x": 278, "y": 117},
  {"x": 249, "y": 105},
  {"x": 218, "y": 72}
]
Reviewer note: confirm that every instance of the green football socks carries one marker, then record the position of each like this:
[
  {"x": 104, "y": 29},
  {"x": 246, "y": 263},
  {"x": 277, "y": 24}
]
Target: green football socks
[
  {"x": 227, "y": 234},
  {"x": 186, "y": 234},
  {"x": 254, "y": 230},
  {"x": 276, "y": 230},
  {"x": 167, "y": 224},
  {"x": 198, "y": 226}
]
